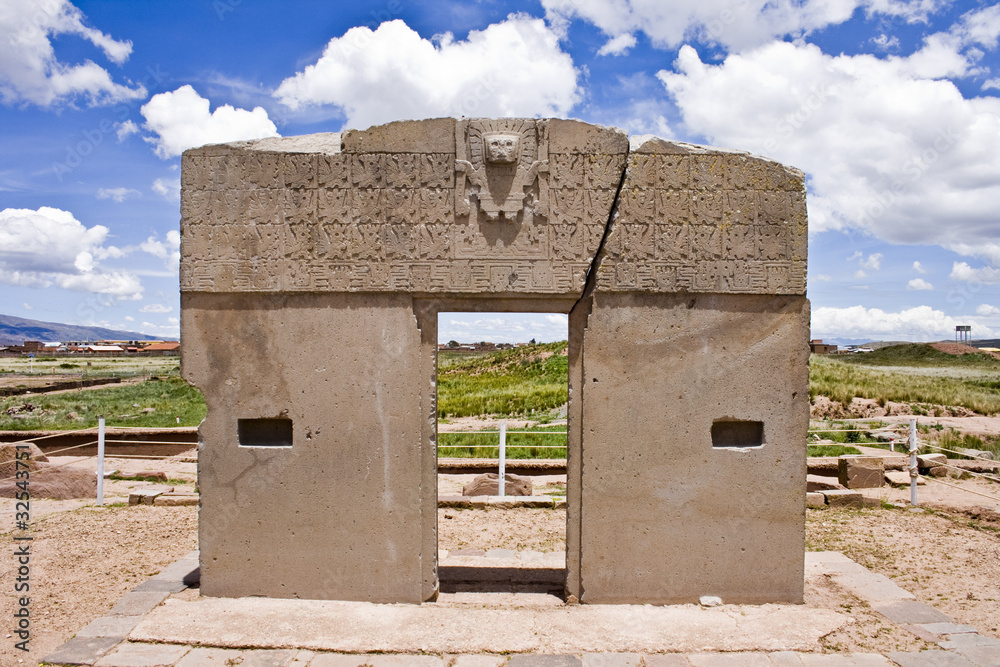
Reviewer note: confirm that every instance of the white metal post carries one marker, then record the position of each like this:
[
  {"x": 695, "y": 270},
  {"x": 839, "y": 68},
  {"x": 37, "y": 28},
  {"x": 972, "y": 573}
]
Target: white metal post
[
  {"x": 913, "y": 462},
  {"x": 100, "y": 460},
  {"x": 503, "y": 459}
]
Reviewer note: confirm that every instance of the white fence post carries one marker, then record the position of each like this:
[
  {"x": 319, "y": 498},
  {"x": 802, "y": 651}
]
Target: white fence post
[
  {"x": 913, "y": 462},
  {"x": 100, "y": 460},
  {"x": 503, "y": 459}
]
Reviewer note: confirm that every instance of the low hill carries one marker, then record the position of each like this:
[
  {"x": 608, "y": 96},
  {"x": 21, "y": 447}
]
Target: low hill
[
  {"x": 926, "y": 354},
  {"x": 16, "y": 330}
]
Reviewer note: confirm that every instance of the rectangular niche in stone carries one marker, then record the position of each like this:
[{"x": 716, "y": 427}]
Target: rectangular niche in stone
[
  {"x": 264, "y": 432},
  {"x": 737, "y": 434}
]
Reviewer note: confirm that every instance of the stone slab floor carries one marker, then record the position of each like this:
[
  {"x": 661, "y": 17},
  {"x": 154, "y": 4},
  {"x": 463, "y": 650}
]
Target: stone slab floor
[{"x": 164, "y": 622}]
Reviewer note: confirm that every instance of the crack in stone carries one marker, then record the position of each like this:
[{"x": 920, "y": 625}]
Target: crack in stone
[{"x": 591, "y": 282}]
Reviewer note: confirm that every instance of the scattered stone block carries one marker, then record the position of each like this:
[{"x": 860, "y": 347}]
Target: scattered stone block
[
  {"x": 63, "y": 483},
  {"x": 489, "y": 485},
  {"x": 146, "y": 496},
  {"x": 815, "y": 501},
  {"x": 844, "y": 498},
  {"x": 8, "y": 458},
  {"x": 176, "y": 499},
  {"x": 157, "y": 475},
  {"x": 931, "y": 460},
  {"x": 901, "y": 480},
  {"x": 861, "y": 472},
  {"x": 937, "y": 471},
  {"x": 822, "y": 483}
]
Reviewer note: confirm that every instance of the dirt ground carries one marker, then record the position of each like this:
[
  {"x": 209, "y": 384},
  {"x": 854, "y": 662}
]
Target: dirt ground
[{"x": 83, "y": 558}]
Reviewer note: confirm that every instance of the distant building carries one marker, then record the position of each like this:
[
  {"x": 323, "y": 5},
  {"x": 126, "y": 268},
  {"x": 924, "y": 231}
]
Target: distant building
[
  {"x": 170, "y": 347},
  {"x": 819, "y": 347}
]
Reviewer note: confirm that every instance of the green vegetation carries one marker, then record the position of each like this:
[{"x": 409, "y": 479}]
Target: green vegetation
[
  {"x": 831, "y": 450},
  {"x": 91, "y": 366},
  {"x": 951, "y": 440},
  {"x": 923, "y": 355},
  {"x": 125, "y": 405},
  {"x": 519, "y": 445},
  {"x": 507, "y": 382},
  {"x": 842, "y": 380}
]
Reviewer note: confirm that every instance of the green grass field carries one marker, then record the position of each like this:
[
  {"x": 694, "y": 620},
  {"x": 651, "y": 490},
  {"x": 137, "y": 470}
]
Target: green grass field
[
  {"x": 516, "y": 382},
  {"x": 519, "y": 445}
]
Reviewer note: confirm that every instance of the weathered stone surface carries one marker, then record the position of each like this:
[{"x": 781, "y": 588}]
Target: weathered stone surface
[
  {"x": 901, "y": 479},
  {"x": 147, "y": 495},
  {"x": 692, "y": 219},
  {"x": 650, "y": 473},
  {"x": 931, "y": 460},
  {"x": 489, "y": 485},
  {"x": 312, "y": 273},
  {"x": 176, "y": 499},
  {"x": 861, "y": 472},
  {"x": 815, "y": 500}
]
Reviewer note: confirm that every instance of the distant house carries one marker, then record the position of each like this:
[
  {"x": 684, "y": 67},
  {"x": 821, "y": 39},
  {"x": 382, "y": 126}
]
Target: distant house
[
  {"x": 167, "y": 348},
  {"x": 817, "y": 346},
  {"x": 102, "y": 349}
]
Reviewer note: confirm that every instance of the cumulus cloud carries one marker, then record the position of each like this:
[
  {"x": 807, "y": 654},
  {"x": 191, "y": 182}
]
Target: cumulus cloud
[
  {"x": 919, "y": 284},
  {"x": 169, "y": 250},
  {"x": 501, "y": 327},
  {"x": 50, "y": 247},
  {"x": 888, "y": 151},
  {"x": 962, "y": 271},
  {"x": 734, "y": 25},
  {"x": 126, "y": 129},
  {"x": 156, "y": 308},
  {"x": 168, "y": 188},
  {"x": 915, "y": 324},
  {"x": 181, "y": 120},
  {"x": 117, "y": 194},
  {"x": 987, "y": 310},
  {"x": 511, "y": 68},
  {"x": 919, "y": 268},
  {"x": 29, "y": 69},
  {"x": 618, "y": 46}
]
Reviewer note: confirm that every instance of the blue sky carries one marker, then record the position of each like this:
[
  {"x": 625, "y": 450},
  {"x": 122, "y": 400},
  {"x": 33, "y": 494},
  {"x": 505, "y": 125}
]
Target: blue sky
[{"x": 890, "y": 107}]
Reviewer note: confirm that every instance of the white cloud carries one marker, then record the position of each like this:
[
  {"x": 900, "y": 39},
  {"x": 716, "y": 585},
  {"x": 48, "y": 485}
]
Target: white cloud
[
  {"x": 987, "y": 310},
  {"x": 126, "y": 129},
  {"x": 887, "y": 151},
  {"x": 117, "y": 194},
  {"x": 168, "y": 188},
  {"x": 50, "y": 247},
  {"x": 885, "y": 42},
  {"x": 129, "y": 318},
  {"x": 735, "y": 25},
  {"x": 618, "y": 46},
  {"x": 511, "y": 68},
  {"x": 964, "y": 272},
  {"x": 27, "y": 306},
  {"x": 919, "y": 268},
  {"x": 29, "y": 69},
  {"x": 181, "y": 120},
  {"x": 873, "y": 263},
  {"x": 919, "y": 323},
  {"x": 859, "y": 274},
  {"x": 156, "y": 308},
  {"x": 168, "y": 250},
  {"x": 919, "y": 284},
  {"x": 821, "y": 278},
  {"x": 990, "y": 84}
]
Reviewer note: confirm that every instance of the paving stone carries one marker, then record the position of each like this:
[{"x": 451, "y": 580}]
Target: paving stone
[
  {"x": 785, "y": 659},
  {"x": 466, "y": 552},
  {"x": 921, "y": 633},
  {"x": 841, "y": 660},
  {"x": 666, "y": 660},
  {"x": 730, "y": 660},
  {"x": 302, "y": 658},
  {"x": 180, "y": 570},
  {"x": 911, "y": 612},
  {"x": 224, "y": 657},
  {"x": 160, "y": 586},
  {"x": 342, "y": 660},
  {"x": 544, "y": 660},
  {"x": 874, "y": 588},
  {"x": 981, "y": 656},
  {"x": 176, "y": 499},
  {"x": 143, "y": 655},
  {"x": 479, "y": 661},
  {"x": 137, "y": 604},
  {"x": 110, "y": 626},
  {"x": 612, "y": 660},
  {"x": 82, "y": 650},
  {"x": 501, "y": 553},
  {"x": 930, "y": 659},
  {"x": 948, "y": 628},
  {"x": 901, "y": 479},
  {"x": 963, "y": 640}
]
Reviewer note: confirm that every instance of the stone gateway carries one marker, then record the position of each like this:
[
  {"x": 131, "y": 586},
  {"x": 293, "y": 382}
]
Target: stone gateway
[{"x": 312, "y": 272}]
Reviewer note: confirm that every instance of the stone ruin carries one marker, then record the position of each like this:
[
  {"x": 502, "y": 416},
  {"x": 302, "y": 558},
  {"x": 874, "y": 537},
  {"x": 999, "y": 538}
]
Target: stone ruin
[{"x": 312, "y": 272}]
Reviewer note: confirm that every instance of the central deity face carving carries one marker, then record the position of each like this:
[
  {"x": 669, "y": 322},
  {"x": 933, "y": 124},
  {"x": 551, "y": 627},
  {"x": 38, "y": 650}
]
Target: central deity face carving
[{"x": 501, "y": 147}]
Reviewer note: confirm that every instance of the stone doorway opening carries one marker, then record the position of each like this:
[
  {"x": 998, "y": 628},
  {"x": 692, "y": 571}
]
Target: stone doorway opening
[{"x": 502, "y": 376}]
